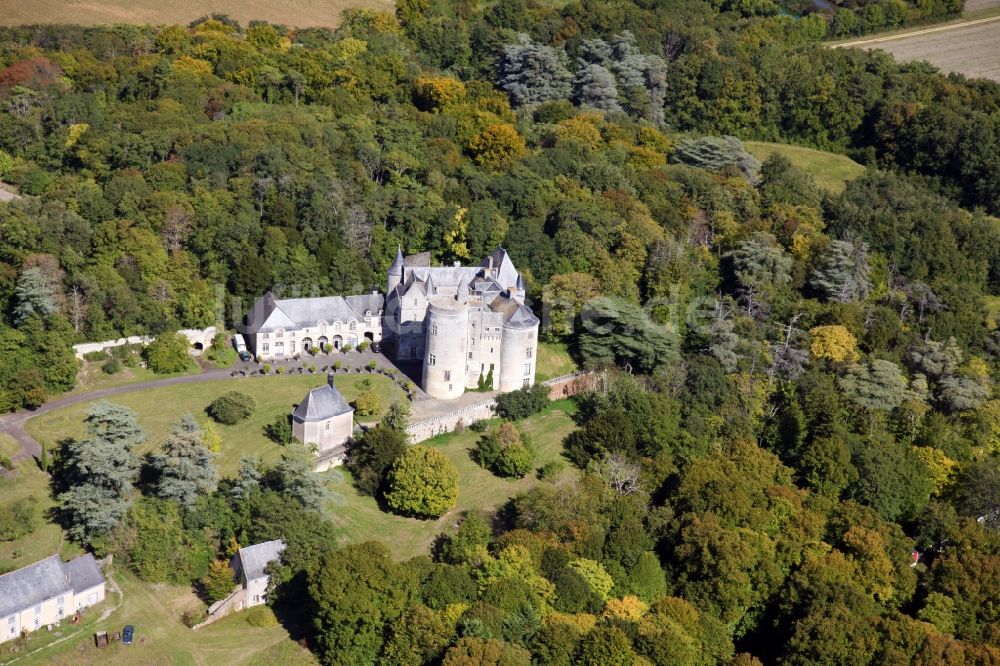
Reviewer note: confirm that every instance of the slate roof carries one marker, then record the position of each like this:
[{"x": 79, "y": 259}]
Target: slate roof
[
  {"x": 83, "y": 573},
  {"x": 253, "y": 559},
  {"x": 322, "y": 403},
  {"x": 515, "y": 314},
  {"x": 45, "y": 579},
  {"x": 269, "y": 313}
]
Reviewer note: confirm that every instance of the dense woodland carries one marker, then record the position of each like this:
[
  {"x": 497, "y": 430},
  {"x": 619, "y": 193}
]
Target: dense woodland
[{"x": 805, "y": 401}]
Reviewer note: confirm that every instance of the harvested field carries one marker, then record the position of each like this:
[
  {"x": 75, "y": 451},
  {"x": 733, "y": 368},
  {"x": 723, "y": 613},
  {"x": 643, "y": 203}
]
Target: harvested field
[
  {"x": 969, "y": 47},
  {"x": 293, "y": 13}
]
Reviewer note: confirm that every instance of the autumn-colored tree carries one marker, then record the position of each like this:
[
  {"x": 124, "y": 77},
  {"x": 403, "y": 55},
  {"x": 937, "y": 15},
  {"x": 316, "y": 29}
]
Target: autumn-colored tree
[
  {"x": 437, "y": 92},
  {"x": 497, "y": 146},
  {"x": 833, "y": 343}
]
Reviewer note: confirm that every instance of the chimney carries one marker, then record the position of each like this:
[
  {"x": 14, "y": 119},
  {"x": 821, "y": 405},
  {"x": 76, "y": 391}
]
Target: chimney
[{"x": 329, "y": 379}]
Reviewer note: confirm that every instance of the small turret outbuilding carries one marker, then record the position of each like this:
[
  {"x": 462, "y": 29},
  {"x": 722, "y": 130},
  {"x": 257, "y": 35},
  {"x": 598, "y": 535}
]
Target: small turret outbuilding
[{"x": 323, "y": 418}]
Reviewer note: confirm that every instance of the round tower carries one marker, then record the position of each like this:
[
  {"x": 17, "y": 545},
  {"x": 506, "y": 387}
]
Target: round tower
[
  {"x": 518, "y": 351},
  {"x": 446, "y": 336}
]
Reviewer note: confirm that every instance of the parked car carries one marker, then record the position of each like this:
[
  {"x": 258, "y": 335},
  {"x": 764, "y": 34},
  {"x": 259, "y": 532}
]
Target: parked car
[
  {"x": 240, "y": 343},
  {"x": 127, "y": 635},
  {"x": 376, "y": 347},
  {"x": 245, "y": 355}
]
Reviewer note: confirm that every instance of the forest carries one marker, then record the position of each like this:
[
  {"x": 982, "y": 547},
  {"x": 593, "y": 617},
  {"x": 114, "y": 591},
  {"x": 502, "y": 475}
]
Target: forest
[{"x": 793, "y": 451}]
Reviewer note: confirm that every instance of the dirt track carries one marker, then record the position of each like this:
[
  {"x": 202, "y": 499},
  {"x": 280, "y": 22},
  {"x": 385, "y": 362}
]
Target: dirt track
[{"x": 971, "y": 47}]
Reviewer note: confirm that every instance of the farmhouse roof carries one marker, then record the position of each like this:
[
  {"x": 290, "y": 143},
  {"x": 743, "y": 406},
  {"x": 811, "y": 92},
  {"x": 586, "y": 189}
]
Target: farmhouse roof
[
  {"x": 46, "y": 579},
  {"x": 254, "y": 559},
  {"x": 82, "y": 573}
]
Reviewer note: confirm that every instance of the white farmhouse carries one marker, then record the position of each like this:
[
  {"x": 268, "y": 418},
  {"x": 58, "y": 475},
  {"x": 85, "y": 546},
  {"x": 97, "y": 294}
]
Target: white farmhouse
[
  {"x": 46, "y": 592},
  {"x": 249, "y": 564}
]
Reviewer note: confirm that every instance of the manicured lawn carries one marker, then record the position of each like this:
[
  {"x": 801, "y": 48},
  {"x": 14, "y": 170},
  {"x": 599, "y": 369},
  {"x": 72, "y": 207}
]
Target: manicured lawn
[
  {"x": 553, "y": 361},
  {"x": 47, "y": 537},
  {"x": 360, "y": 518},
  {"x": 831, "y": 171},
  {"x": 159, "y": 408},
  {"x": 161, "y": 638}
]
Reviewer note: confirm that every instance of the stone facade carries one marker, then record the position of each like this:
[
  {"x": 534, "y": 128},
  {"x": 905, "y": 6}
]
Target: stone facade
[{"x": 463, "y": 323}]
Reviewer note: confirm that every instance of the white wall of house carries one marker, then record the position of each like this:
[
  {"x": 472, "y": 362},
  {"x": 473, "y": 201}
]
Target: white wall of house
[
  {"x": 286, "y": 343},
  {"x": 50, "y": 611},
  {"x": 257, "y": 590},
  {"x": 327, "y": 434}
]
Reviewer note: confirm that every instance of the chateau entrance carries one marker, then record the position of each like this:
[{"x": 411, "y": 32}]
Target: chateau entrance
[
  {"x": 338, "y": 342},
  {"x": 323, "y": 342},
  {"x": 307, "y": 344}
]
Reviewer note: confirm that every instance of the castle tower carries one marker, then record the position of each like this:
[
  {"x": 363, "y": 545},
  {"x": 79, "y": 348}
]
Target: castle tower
[
  {"x": 518, "y": 351},
  {"x": 444, "y": 349},
  {"x": 395, "y": 275}
]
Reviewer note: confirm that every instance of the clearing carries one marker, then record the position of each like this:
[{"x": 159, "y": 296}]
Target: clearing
[
  {"x": 831, "y": 171},
  {"x": 360, "y": 517},
  {"x": 295, "y": 13},
  {"x": 30, "y": 483},
  {"x": 159, "y": 408},
  {"x": 155, "y": 611}
]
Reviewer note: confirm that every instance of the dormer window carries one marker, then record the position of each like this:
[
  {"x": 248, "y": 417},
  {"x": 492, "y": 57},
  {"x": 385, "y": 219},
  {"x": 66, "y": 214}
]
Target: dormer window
[{"x": 354, "y": 325}]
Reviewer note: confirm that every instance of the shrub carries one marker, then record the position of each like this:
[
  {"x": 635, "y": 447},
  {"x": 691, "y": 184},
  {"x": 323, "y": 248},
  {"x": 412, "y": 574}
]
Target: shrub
[
  {"x": 363, "y": 346},
  {"x": 551, "y": 469},
  {"x": 167, "y": 353},
  {"x": 479, "y": 426},
  {"x": 504, "y": 452},
  {"x": 337, "y": 365},
  {"x": 194, "y": 616},
  {"x": 232, "y": 407},
  {"x": 95, "y": 356},
  {"x": 523, "y": 402},
  {"x": 219, "y": 581},
  {"x": 17, "y": 519},
  {"x": 346, "y": 348},
  {"x": 371, "y": 456},
  {"x": 280, "y": 370},
  {"x": 368, "y": 403},
  {"x": 261, "y": 616},
  {"x": 266, "y": 368},
  {"x": 372, "y": 365},
  {"x": 279, "y": 431},
  {"x": 112, "y": 366},
  {"x": 423, "y": 482}
]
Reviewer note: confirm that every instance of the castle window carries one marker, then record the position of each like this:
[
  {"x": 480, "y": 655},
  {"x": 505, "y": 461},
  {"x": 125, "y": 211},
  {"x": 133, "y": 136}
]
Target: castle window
[
  {"x": 527, "y": 368},
  {"x": 431, "y": 359},
  {"x": 447, "y": 375},
  {"x": 470, "y": 354},
  {"x": 527, "y": 352},
  {"x": 279, "y": 333},
  {"x": 434, "y": 329},
  {"x": 264, "y": 348},
  {"x": 354, "y": 325}
]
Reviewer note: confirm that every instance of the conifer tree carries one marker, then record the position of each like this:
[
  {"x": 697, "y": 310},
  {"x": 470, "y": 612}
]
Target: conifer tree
[
  {"x": 186, "y": 467},
  {"x": 99, "y": 472}
]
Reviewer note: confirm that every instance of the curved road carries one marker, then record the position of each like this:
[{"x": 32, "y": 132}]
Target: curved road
[{"x": 13, "y": 424}]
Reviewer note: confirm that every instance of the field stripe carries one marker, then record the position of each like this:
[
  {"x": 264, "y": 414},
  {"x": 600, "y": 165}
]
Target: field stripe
[{"x": 916, "y": 33}]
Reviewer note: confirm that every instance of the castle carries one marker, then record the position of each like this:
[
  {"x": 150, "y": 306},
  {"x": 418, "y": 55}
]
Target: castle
[{"x": 465, "y": 324}]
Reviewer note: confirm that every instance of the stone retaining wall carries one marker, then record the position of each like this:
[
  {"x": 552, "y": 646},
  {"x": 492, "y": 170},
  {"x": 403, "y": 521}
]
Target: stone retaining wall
[
  {"x": 195, "y": 336},
  {"x": 560, "y": 387}
]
